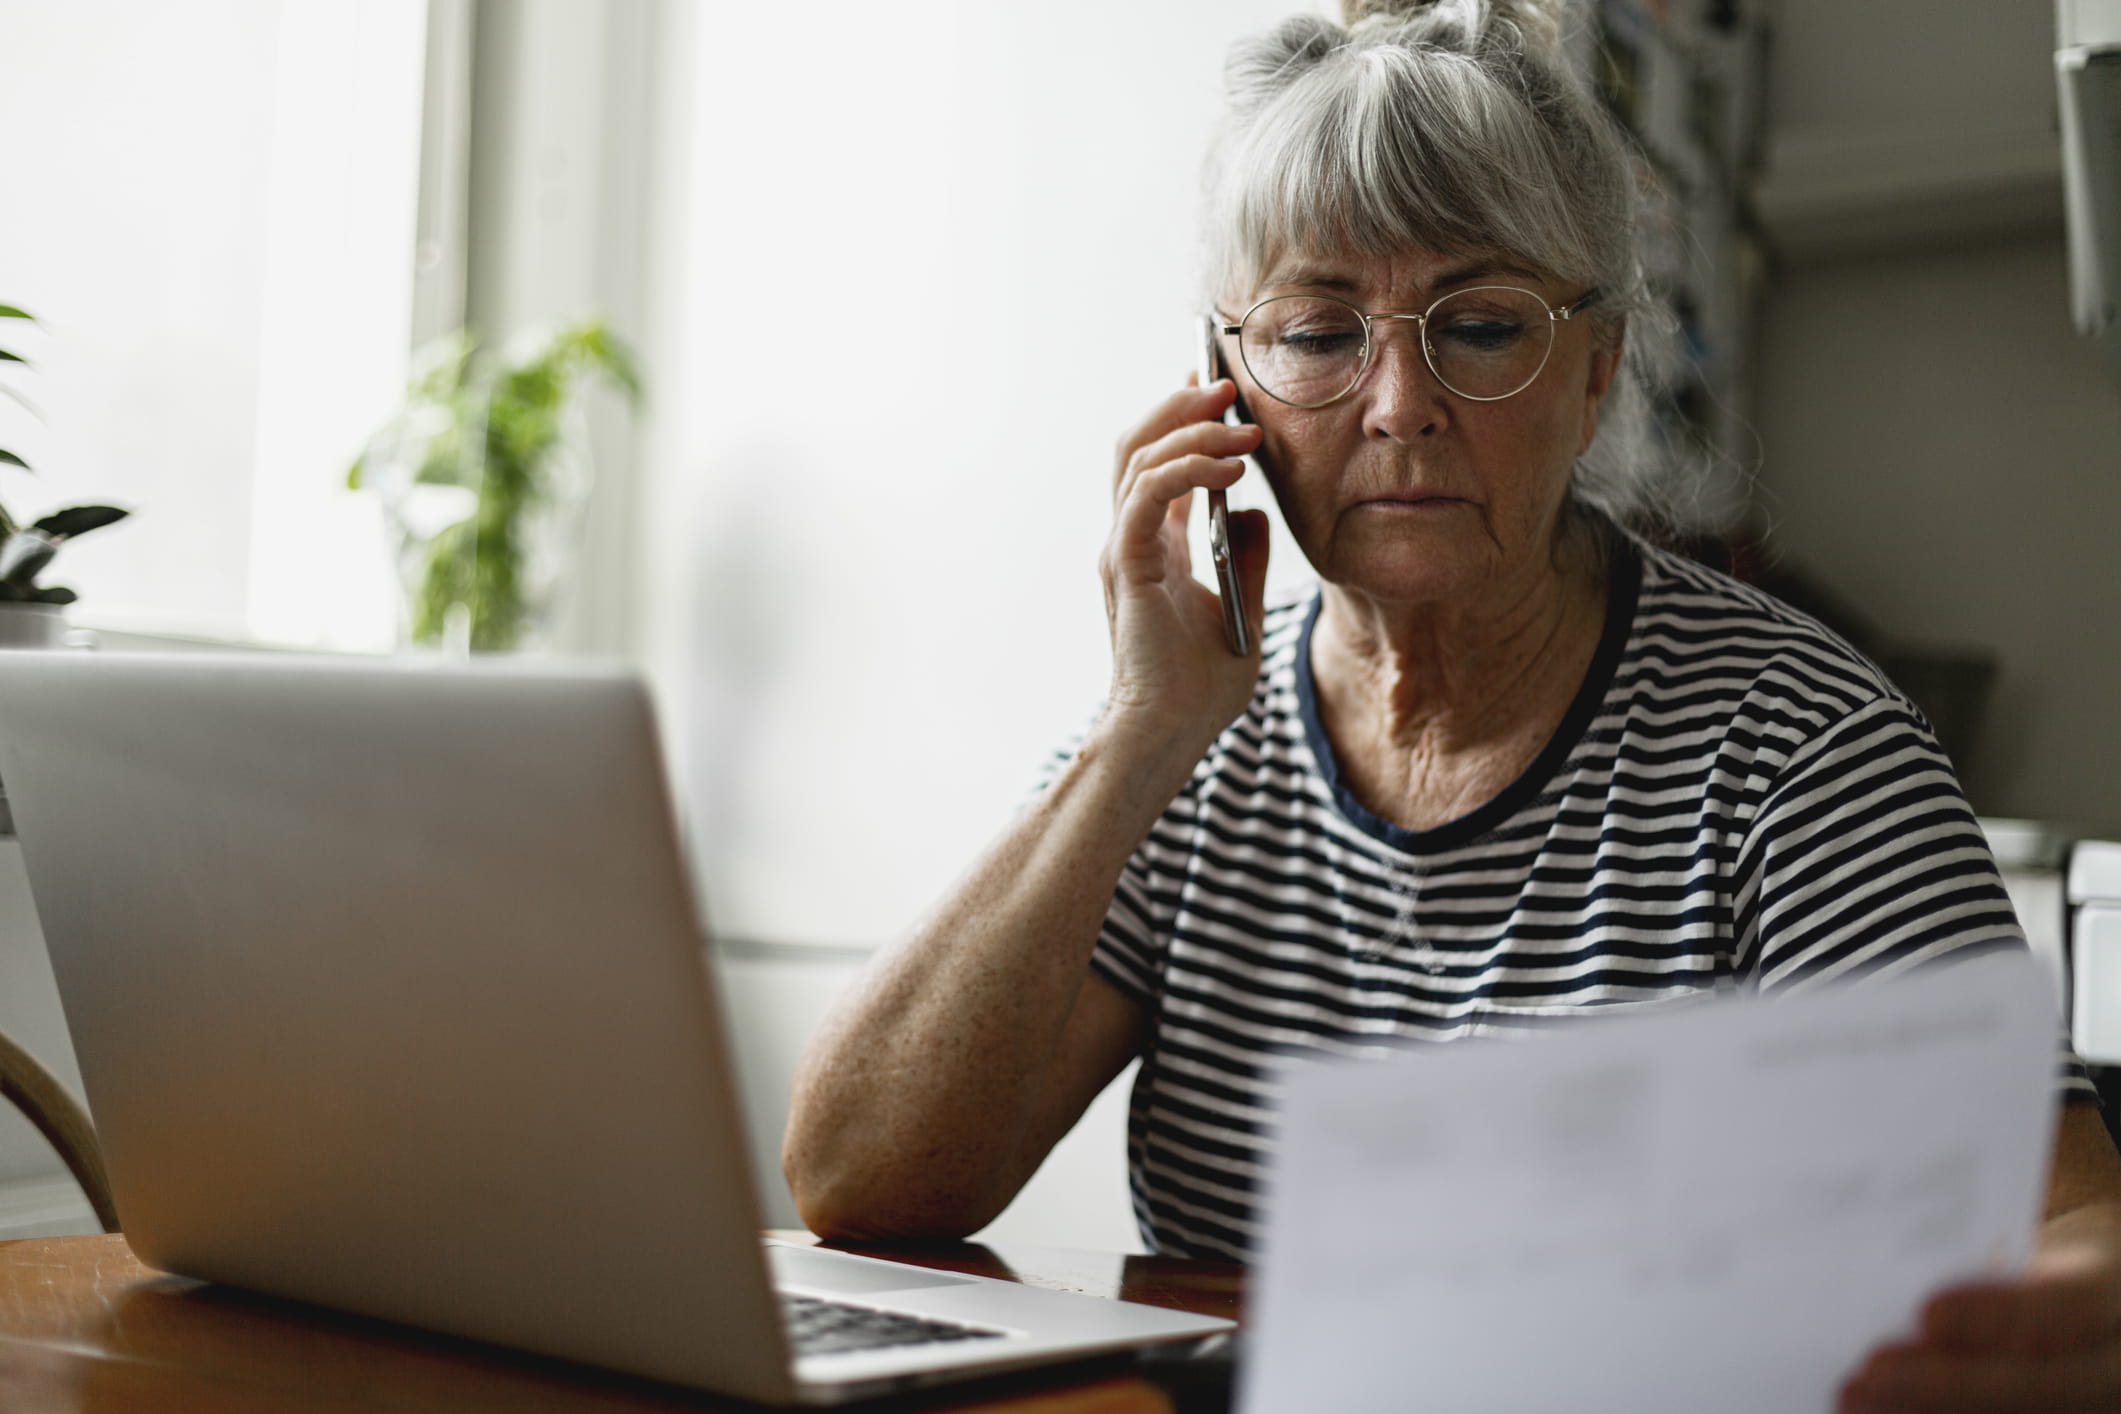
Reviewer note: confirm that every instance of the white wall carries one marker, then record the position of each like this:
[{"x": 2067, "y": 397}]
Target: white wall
[{"x": 940, "y": 257}]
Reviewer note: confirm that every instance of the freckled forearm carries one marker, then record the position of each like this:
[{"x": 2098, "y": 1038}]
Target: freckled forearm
[{"x": 918, "y": 1099}]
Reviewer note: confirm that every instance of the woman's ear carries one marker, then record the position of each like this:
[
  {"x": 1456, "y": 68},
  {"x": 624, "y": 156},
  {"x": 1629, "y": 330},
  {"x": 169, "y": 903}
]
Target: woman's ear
[{"x": 1598, "y": 381}]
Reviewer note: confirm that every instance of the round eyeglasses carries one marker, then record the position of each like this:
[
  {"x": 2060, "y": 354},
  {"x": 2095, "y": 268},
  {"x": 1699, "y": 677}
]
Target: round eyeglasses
[{"x": 1483, "y": 343}]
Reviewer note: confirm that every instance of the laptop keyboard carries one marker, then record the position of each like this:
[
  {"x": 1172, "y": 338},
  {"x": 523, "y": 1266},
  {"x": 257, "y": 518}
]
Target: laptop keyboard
[{"x": 817, "y": 1327}]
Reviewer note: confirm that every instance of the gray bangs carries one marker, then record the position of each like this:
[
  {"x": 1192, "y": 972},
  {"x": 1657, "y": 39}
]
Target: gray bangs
[{"x": 1386, "y": 150}]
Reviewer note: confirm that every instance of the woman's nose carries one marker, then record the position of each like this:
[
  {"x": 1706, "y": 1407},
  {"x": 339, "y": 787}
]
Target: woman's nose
[{"x": 1401, "y": 396}]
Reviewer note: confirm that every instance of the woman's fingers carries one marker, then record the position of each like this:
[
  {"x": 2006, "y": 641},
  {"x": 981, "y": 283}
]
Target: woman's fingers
[
  {"x": 1920, "y": 1380},
  {"x": 1176, "y": 515},
  {"x": 2067, "y": 1299},
  {"x": 1189, "y": 404},
  {"x": 1189, "y": 421},
  {"x": 1137, "y": 533},
  {"x": 1210, "y": 440},
  {"x": 1169, "y": 663},
  {"x": 2049, "y": 1339}
]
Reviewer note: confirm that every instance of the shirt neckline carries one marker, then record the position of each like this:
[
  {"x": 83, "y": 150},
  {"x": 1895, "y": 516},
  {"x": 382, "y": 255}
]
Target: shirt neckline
[{"x": 1621, "y": 596}]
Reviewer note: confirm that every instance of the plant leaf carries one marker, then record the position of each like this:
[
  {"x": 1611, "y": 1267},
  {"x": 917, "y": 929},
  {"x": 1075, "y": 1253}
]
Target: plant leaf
[
  {"x": 12, "y": 460},
  {"x": 8, "y": 357},
  {"x": 10, "y": 311},
  {"x": 78, "y": 520},
  {"x": 618, "y": 364},
  {"x": 23, "y": 554},
  {"x": 54, "y": 594}
]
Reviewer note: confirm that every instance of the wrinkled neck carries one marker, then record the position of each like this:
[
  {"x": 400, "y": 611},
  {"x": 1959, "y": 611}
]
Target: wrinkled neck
[{"x": 1461, "y": 671}]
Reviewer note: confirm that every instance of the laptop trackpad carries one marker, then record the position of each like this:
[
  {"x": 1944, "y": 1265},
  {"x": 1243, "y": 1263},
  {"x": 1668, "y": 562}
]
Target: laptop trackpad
[{"x": 849, "y": 1276}]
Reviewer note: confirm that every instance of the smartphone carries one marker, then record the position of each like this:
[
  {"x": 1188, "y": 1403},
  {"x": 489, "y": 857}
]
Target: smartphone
[{"x": 1237, "y": 630}]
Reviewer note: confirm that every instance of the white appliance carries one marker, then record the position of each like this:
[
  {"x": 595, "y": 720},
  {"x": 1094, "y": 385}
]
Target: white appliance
[{"x": 2094, "y": 893}]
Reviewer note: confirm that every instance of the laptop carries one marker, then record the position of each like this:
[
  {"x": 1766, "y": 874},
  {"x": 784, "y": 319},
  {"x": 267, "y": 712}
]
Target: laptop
[{"x": 389, "y": 994}]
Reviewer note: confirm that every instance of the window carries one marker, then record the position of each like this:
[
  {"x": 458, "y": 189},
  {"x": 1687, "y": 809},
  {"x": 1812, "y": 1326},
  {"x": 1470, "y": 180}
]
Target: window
[{"x": 211, "y": 211}]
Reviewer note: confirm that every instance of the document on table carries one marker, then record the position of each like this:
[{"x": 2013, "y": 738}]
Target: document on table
[{"x": 1720, "y": 1207}]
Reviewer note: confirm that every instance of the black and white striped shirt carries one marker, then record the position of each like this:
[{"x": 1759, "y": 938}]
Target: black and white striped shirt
[{"x": 1736, "y": 800}]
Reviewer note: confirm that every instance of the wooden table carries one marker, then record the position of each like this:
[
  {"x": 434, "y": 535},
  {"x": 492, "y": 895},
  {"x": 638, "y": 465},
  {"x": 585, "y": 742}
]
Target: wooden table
[{"x": 86, "y": 1329}]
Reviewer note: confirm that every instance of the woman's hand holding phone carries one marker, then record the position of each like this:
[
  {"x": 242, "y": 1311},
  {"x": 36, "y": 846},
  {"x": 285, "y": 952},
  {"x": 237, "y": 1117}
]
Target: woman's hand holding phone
[{"x": 1172, "y": 668}]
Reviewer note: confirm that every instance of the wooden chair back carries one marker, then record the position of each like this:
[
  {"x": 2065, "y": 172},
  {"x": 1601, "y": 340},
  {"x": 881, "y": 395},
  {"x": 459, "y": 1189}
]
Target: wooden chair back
[{"x": 61, "y": 1119}]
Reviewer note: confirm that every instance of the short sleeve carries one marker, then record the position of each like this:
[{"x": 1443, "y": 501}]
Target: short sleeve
[
  {"x": 1865, "y": 858},
  {"x": 1129, "y": 951}
]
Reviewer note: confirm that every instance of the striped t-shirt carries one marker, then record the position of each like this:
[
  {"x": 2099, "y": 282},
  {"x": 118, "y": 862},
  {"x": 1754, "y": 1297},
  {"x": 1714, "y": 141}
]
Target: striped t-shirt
[{"x": 1735, "y": 800}]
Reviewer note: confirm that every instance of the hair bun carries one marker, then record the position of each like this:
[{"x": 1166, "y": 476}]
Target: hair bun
[
  {"x": 1354, "y": 12},
  {"x": 1538, "y": 24}
]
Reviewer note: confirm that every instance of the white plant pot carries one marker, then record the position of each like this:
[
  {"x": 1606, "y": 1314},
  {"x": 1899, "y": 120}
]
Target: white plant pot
[
  {"x": 28, "y": 626},
  {"x": 32, "y": 626}
]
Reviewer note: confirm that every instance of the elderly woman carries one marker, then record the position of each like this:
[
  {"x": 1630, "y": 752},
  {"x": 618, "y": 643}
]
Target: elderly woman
[{"x": 1507, "y": 764}]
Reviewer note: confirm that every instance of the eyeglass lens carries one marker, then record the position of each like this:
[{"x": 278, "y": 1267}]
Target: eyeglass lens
[{"x": 1481, "y": 343}]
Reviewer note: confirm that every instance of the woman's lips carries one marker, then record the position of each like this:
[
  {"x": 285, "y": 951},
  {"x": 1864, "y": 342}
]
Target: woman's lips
[{"x": 1413, "y": 501}]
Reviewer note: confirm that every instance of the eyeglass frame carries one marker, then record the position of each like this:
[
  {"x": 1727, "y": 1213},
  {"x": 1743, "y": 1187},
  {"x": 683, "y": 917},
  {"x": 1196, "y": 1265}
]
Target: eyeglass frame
[{"x": 1556, "y": 314}]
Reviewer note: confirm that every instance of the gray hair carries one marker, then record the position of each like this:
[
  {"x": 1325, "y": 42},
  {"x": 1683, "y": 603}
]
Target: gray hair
[{"x": 1460, "y": 127}]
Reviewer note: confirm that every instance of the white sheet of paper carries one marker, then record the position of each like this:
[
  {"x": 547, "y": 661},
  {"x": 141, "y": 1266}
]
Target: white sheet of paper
[{"x": 1720, "y": 1207}]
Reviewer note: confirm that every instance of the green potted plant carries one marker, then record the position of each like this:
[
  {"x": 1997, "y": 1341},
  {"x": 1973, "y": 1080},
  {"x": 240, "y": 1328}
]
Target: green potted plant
[
  {"x": 481, "y": 474},
  {"x": 33, "y": 615}
]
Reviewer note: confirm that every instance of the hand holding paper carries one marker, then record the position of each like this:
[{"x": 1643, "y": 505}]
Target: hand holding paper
[
  {"x": 2048, "y": 1338},
  {"x": 1724, "y": 1207}
]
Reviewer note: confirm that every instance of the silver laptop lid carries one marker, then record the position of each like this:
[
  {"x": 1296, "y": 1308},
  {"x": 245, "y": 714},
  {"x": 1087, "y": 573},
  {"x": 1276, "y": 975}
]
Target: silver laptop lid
[{"x": 365, "y": 963}]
